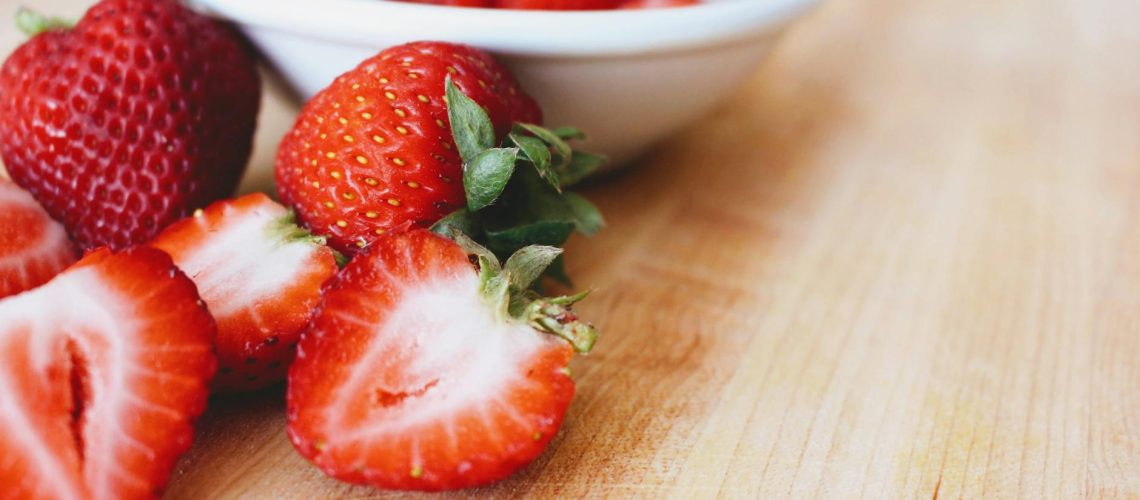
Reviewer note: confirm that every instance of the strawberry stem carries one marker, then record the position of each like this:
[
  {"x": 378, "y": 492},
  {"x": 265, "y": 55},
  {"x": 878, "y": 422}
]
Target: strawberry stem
[
  {"x": 32, "y": 23},
  {"x": 555, "y": 316}
]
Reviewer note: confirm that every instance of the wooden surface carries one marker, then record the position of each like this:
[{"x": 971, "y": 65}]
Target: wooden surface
[{"x": 903, "y": 262}]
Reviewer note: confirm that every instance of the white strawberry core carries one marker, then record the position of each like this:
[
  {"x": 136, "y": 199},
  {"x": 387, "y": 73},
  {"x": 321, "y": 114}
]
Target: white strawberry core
[
  {"x": 451, "y": 354},
  {"x": 243, "y": 265}
]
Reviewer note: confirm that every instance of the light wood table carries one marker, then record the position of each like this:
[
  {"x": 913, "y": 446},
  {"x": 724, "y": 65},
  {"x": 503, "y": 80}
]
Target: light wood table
[{"x": 903, "y": 262}]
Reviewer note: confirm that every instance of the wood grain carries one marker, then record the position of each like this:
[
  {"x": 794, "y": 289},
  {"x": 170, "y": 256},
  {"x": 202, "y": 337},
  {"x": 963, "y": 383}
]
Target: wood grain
[{"x": 902, "y": 262}]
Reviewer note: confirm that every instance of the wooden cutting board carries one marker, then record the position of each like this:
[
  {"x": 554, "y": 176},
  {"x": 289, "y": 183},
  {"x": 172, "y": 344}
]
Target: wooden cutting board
[{"x": 904, "y": 261}]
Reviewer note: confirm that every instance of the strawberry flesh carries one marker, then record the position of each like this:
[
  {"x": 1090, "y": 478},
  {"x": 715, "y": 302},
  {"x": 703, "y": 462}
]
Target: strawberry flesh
[
  {"x": 407, "y": 379},
  {"x": 261, "y": 277},
  {"x": 103, "y": 371},
  {"x": 33, "y": 248}
]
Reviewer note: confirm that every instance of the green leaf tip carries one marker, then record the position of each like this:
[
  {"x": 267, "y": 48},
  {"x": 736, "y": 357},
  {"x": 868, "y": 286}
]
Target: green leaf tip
[
  {"x": 528, "y": 264},
  {"x": 538, "y": 154},
  {"x": 471, "y": 128},
  {"x": 32, "y": 23}
]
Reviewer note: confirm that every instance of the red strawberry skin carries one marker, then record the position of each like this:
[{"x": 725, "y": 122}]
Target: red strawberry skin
[
  {"x": 454, "y": 3},
  {"x": 33, "y": 248},
  {"x": 406, "y": 379},
  {"x": 103, "y": 371},
  {"x": 557, "y": 4},
  {"x": 373, "y": 152},
  {"x": 260, "y": 281},
  {"x": 126, "y": 123}
]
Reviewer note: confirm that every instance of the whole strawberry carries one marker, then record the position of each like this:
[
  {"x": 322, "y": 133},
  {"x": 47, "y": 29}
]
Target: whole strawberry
[
  {"x": 125, "y": 123},
  {"x": 374, "y": 152}
]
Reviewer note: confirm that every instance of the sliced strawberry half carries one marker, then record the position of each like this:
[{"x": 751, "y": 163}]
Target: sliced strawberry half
[
  {"x": 103, "y": 371},
  {"x": 33, "y": 247},
  {"x": 261, "y": 276},
  {"x": 420, "y": 372}
]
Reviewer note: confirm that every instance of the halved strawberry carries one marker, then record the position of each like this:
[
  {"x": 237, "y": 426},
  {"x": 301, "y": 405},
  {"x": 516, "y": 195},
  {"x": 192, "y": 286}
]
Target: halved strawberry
[
  {"x": 260, "y": 274},
  {"x": 420, "y": 372},
  {"x": 33, "y": 247},
  {"x": 103, "y": 371}
]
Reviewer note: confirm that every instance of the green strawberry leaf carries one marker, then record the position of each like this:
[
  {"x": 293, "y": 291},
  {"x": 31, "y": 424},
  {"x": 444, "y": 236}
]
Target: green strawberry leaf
[
  {"x": 462, "y": 220},
  {"x": 537, "y": 153},
  {"x": 587, "y": 217},
  {"x": 510, "y": 240},
  {"x": 470, "y": 126},
  {"x": 568, "y": 133},
  {"x": 581, "y": 165},
  {"x": 562, "y": 151},
  {"x": 486, "y": 175},
  {"x": 527, "y": 264}
]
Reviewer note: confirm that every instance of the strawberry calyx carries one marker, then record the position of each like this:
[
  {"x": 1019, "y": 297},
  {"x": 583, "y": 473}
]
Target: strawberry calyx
[
  {"x": 32, "y": 23},
  {"x": 506, "y": 289},
  {"x": 516, "y": 191}
]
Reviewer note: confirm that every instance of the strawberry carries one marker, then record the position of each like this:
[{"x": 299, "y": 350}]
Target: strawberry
[
  {"x": 126, "y": 123},
  {"x": 655, "y": 4},
  {"x": 408, "y": 140},
  {"x": 421, "y": 372},
  {"x": 33, "y": 248},
  {"x": 454, "y": 3},
  {"x": 374, "y": 152},
  {"x": 104, "y": 370},
  {"x": 557, "y": 4},
  {"x": 260, "y": 274}
]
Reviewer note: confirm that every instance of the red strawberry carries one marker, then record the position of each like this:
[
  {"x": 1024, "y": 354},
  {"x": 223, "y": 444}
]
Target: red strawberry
[
  {"x": 374, "y": 151},
  {"x": 103, "y": 371},
  {"x": 558, "y": 4},
  {"x": 454, "y": 3},
  {"x": 126, "y": 123},
  {"x": 655, "y": 4},
  {"x": 260, "y": 274},
  {"x": 414, "y": 373},
  {"x": 33, "y": 248}
]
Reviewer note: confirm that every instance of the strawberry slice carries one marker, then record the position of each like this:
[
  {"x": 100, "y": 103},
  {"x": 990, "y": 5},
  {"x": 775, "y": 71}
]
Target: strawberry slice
[
  {"x": 418, "y": 372},
  {"x": 103, "y": 371},
  {"x": 33, "y": 247},
  {"x": 260, "y": 274}
]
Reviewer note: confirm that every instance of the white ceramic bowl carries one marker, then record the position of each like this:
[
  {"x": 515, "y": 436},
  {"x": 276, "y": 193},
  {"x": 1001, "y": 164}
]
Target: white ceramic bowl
[{"x": 626, "y": 78}]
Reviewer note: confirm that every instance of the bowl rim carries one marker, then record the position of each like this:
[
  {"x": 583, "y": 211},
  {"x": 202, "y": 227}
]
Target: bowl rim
[{"x": 515, "y": 32}]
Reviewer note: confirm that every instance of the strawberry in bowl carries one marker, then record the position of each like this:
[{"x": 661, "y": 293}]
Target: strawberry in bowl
[{"x": 631, "y": 77}]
